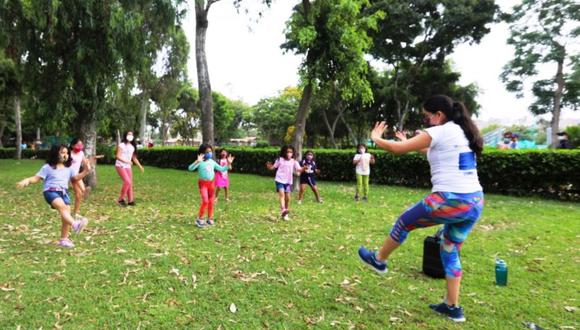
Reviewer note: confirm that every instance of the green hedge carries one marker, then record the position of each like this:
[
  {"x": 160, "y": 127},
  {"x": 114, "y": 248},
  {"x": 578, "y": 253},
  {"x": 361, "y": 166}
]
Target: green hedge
[{"x": 554, "y": 174}]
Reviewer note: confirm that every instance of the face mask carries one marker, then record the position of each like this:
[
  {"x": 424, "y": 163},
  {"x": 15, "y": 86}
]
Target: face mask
[
  {"x": 309, "y": 157},
  {"x": 78, "y": 148},
  {"x": 207, "y": 155},
  {"x": 289, "y": 155},
  {"x": 506, "y": 141},
  {"x": 130, "y": 138},
  {"x": 62, "y": 158},
  {"x": 427, "y": 121},
  {"x": 560, "y": 138},
  {"x": 361, "y": 151}
]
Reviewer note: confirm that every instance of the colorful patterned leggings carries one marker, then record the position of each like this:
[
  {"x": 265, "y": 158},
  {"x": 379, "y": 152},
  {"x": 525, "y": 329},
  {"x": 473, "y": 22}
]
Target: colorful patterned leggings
[{"x": 457, "y": 212}]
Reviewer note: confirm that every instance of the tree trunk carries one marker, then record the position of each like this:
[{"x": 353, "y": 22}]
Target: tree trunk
[
  {"x": 143, "y": 116},
  {"x": 3, "y": 125},
  {"x": 88, "y": 134},
  {"x": 301, "y": 116},
  {"x": 204, "y": 86},
  {"x": 18, "y": 123},
  {"x": 349, "y": 130},
  {"x": 300, "y": 125},
  {"x": 555, "y": 123},
  {"x": 330, "y": 128}
]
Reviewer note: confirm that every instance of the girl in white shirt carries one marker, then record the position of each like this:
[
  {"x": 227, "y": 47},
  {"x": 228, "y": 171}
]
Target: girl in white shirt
[
  {"x": 126, "y": 156},
  {"x": 452, "y": 144}
]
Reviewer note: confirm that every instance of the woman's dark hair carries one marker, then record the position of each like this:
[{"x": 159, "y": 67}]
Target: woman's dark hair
[
  {"x": 203, "y": 147},
  {"x": 53, "y": 154},
  {"x": 73, "y": 142},
  {"x": 284, "y": 150},
  {"x": 456, "y": 112},
  {"x": 124, "y": 140}
]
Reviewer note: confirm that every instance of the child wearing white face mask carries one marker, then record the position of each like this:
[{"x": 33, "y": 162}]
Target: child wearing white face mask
[
  {"x": 126, "y": 156},
  {"x": 307, "y": 177},
  {"x": 362, "y": 161}
]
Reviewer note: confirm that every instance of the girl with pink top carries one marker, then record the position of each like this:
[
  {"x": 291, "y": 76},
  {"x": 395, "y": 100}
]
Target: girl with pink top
[
  {"x": 286, "y": 165},
  {"x": 222, "y": 179},
  {"x": 126, "y": 156},
  {"x": 78, "y": 156}
]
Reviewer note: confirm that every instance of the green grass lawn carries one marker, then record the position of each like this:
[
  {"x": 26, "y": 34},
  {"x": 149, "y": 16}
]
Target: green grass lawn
[{"x": 149, "y": 267}]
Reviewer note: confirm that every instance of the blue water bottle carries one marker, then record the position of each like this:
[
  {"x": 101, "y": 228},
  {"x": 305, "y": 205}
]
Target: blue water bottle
[{"x": 501, "y": 272}]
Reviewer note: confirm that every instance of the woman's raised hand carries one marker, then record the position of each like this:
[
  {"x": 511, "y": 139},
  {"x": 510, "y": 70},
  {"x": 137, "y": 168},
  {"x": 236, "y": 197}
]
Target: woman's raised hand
[
  {"x": 401, "y": 135},
  {"x": 379, "y": 130}
]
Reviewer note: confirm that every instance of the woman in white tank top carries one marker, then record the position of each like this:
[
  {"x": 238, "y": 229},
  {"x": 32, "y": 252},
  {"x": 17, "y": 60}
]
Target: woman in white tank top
[{"x": 452, "y": 144}]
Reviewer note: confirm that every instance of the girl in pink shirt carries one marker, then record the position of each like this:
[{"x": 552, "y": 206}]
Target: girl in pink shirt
[
  {"x": 286, "y": 165},
  {"x": 78, "y": 156}
]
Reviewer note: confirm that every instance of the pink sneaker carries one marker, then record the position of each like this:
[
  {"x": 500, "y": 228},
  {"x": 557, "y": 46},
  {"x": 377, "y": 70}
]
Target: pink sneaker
[
  {"x": 67, "y": 243},
  {"x": 79, "y": 225}
]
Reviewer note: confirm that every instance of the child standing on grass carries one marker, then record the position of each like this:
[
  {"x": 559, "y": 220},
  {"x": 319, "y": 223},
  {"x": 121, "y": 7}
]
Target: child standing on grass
[
  {"x": 77, "y": 156},
  {"x": 57, "y": 173},
  {"x": 452, "y": 143},
  {"x": 222, "y": 179},
  {"x": 362, "y": 161},
  {"x": 206, "y": 168},
  {"x": 126, "y": 155},
  {"x": 307, "y": 177},
  {"x": 285, "y": 165}
]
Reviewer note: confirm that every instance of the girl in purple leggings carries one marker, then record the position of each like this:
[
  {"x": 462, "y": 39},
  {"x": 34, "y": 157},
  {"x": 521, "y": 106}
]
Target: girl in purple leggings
[{"x": 452, "y": 144}]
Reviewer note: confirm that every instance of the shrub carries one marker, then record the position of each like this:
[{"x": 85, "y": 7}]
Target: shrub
[{"x": 515, "y": 172}]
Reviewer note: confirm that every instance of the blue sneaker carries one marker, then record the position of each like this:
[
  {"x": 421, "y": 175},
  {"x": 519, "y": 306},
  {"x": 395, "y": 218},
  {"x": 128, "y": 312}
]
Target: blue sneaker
[
  {"x": 210, "y": 222},
  {"x": 368, "y": 257},
  {"x": 453, "y": 312},
  {"x": 200, "y": 222}
]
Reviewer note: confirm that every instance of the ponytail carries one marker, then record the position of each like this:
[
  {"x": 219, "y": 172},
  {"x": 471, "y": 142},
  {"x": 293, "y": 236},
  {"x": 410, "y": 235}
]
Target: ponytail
[
  {"x": 456, "y": 112},
  {"x": 462, "y": 118}
]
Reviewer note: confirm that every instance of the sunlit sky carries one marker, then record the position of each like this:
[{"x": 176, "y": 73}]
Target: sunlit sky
[{"x": 246, "y": 62}]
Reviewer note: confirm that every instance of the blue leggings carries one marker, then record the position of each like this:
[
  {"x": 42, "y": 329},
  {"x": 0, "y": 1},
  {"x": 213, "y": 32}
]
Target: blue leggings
[{"x": 457, "y": 212}]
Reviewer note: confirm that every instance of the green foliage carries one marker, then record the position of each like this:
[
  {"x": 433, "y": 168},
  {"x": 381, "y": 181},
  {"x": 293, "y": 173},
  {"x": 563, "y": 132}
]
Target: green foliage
[
  {"x": 333, "y": 37},
  {"x": 548, "y": 41},
  {"x": 574, "y": 135},
  {"x": 415, "y": 39},
  {"x": 272, "y": 116},
  {"x": 223, "y": 116},
  {"x": 543, "y": 173}
]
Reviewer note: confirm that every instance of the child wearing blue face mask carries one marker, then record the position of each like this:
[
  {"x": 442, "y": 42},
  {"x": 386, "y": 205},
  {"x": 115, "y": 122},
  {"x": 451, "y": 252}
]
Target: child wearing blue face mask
[{"x": 206, "y": 168}]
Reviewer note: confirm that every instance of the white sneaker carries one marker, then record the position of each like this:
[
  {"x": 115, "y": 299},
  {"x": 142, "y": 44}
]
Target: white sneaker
[{"x": 299, "y": 202}]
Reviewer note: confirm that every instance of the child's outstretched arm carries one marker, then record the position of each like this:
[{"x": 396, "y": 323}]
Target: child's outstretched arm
[
  {"x": 220, "y": 168},
  {"x": 195, "y": 164},
  {"x": 270, "y": 166},
  {"x": 23, "y": 183}
]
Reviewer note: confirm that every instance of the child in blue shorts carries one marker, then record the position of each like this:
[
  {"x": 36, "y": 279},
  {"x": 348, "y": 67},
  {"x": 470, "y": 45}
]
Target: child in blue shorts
[
  {"x": 308, "y": 176},
  {"x": 57, "y": 173}
]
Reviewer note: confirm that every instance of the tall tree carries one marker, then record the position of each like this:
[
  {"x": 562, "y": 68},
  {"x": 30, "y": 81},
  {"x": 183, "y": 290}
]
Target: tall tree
[
  {"x": 202, "y": 8},
  {"x": 420, "y": 33},
  {"x": 332, "y": 36},
  {"x": 549, "y": 40},
  {"x": 80, "y": 49}
]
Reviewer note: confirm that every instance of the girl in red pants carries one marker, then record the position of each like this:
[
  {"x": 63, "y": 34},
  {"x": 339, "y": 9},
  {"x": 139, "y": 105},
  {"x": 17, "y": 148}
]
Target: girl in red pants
[{"x": 206, "y": 168}]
